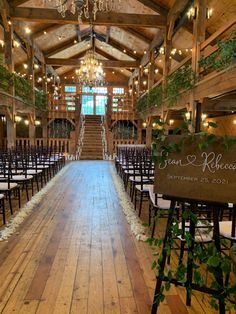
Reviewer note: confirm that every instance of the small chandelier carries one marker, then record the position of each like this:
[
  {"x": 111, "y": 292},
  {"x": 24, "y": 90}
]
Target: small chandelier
[
  {"x": 84, "y": 8},
  {"x": 90, "y": 72}
]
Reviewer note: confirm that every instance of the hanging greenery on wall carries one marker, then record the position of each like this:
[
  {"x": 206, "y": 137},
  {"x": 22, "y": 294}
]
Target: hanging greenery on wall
[
  {"x": 223, "y": 58},
  {"x": 40, "y": 100},
  {"x": 214, "y": 262},
  {"x": 181, "y": 80},
  {"x": 6, "y": 79},
  {"x": 152, "y": 99},
  {"x": 23, "y": 88}
]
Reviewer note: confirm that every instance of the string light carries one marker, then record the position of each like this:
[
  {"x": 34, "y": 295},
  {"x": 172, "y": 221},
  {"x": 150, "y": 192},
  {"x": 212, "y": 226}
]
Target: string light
[{"x": 27, "y": 30}]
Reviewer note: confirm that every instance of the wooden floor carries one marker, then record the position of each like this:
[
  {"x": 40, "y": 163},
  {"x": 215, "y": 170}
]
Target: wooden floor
[{"x": 75, "y": 254}]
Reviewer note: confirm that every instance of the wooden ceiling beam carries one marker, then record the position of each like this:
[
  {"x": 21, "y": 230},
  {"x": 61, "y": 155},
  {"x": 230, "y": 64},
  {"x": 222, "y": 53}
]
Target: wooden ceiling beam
[
  {"x": 108, "y": 33},
  {"x": 137, "y": 34},
  {"x": 78, "y": 32},
  {"x": 115, "y": 44},
  {"x": 105, "y": 54},
  {"x": 48, "y": 29},
  {"x": 105, "y": 63},
  {"x": 62, "y": 46},
  {"x": 156, "y": 7},
  {"x": 111, "y": 19},
  {"x": 16, "y": 3},
  {"x": 65, "y": 45}
]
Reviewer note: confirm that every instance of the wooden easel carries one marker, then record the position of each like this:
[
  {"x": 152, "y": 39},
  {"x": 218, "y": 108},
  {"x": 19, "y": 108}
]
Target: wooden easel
[{"x": 215, "y": 207}]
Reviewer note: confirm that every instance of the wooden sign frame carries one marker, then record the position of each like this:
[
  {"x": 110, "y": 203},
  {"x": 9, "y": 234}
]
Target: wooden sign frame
[{"x": 207, "y": 175}]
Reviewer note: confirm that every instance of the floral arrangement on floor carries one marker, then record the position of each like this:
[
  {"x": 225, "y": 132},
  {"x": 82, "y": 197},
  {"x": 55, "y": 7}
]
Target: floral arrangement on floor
[
  {"x": 14, "y": 223},
  {"x": 127, "y": 206}
]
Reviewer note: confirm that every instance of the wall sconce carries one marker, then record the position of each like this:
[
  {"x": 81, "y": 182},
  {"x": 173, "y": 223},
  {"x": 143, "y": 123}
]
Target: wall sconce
[
  {"x": 162, "y": 50},
  {"x": 18, "y": 119},
  {"x": 204, "y": 116},
  {"x": 171, "y": 122},
  {"x": 188, "y": 115},
  {"x": 144, "y": 124},
  {"x": 209, "y": 13},
  {"x": 37, "y": 122},
  {"x": 26, "y": 122},
  {"x": 192, "y": 13}
]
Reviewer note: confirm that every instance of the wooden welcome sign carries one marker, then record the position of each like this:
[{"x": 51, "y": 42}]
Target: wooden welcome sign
[{"x": 207, "y": 175}]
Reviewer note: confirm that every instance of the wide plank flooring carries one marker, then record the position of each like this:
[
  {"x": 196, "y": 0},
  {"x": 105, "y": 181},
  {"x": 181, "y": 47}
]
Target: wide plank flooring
[{"x": 75, "y": 254}]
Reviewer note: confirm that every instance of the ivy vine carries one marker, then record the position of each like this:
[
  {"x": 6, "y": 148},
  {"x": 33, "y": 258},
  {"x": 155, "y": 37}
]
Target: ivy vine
[
  {"x": 23, "y": 88},
  {"x": 201, "y": 255},
  {"x": 181, "y": 80},
  {"x": 153, "y": 99},
  {"x": 223, "y": 58}
]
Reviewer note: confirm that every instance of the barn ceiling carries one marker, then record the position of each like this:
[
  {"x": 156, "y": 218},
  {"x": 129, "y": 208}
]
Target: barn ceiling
[{"x": 127, "y": 34}]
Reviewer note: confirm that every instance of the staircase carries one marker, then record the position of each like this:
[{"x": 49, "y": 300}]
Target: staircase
[{"x": 92, "y": 148}]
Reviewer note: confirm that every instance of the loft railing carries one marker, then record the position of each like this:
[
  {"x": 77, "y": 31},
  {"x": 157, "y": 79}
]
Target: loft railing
[{"x": 208, "y": 49}]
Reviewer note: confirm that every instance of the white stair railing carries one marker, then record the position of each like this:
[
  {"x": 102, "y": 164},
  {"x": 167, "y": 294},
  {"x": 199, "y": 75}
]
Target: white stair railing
[
  {"x": 106, "y": 156},
  {"x": 81, "y": 137}
]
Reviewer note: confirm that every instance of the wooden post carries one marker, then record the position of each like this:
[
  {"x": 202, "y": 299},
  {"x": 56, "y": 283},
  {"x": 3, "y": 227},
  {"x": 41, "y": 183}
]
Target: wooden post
[
  {"x": 31, "y": 78},
  {"x": 151, "y": 70},
  {"x": 199, "y": 31},
  {"x": 45, "y": 130},
  {"x": 139, "y": 131},
  {"x": 149, "y": 133},
  {"x": 10, "y": 116},
  {"x": 32, "y": 129},
  {"x": 167, "y": 61}
]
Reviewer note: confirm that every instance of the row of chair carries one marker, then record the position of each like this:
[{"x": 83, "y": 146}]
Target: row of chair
[
  {"x": 21, "y": 168},
  {"x": 135, "y": 166}
]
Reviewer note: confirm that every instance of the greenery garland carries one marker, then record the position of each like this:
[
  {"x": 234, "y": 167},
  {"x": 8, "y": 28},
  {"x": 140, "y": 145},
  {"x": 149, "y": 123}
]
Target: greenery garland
[
  {"x": 181, "y": 80},
  {"x": 208, "y": 255},
  {"x": 152, "y": 99},
  {"x": 184, "y": 78},
  {"x": 40, "y": 100},
  {"x": 23, "y": 88},
  {"x": 223, "y": 58}
]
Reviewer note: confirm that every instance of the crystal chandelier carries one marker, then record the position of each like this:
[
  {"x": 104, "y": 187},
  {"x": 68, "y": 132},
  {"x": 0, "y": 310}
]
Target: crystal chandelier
[
  {"x": 84, "y": 8},
  {"x": 90, "y": 72}
]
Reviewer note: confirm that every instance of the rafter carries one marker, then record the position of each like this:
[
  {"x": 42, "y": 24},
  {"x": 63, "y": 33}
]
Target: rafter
[
  {"x": 47, "y": 29},
  {"x": 16, "y": 3},
  {"x": 117, "y": 19},
  {"x": 65, "y": 45},
  {"x": 105, "y": 54},
  {"x": 158, "y": 8},
  {"x": 137, "y": 34},
  {"x": 78, "y": 32},
  {"x": 105, "y": 63},
  {"x": 115, "y": 44},
  {"x": 108, "y": 33}
]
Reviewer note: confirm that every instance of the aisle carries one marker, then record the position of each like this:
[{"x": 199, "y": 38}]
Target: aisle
[{"x": 76, "y": 254}]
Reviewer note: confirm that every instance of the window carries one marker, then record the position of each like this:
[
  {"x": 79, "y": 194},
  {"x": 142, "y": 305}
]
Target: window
[
  {"x": 70, "y": 105},
  {"x": 119, "y": 91},
  {"x": 87, "y": 104},
  {"x": 94, "y": 90},
  {"x": 101, "y": 102},
  {"x": 70, "y": 89}
]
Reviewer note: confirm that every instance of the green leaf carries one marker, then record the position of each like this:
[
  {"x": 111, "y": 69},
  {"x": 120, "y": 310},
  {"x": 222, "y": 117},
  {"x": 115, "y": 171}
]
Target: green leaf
[
  {"x": 213, "y": 261},
  {"x": 212, "y": 124}
]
